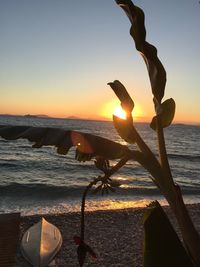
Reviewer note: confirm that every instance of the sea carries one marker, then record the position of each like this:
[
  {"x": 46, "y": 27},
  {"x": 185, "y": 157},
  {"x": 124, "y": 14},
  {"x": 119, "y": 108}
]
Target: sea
[{"x": 39, "y": 181}]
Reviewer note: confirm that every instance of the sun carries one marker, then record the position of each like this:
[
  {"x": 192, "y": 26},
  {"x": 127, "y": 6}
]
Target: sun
[
  {"x": 119, "y": 112},
  {"x": 113, "y": 108}
]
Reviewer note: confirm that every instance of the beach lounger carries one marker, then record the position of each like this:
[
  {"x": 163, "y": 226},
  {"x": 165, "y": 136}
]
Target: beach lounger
[{"x": 9, "y": 233}]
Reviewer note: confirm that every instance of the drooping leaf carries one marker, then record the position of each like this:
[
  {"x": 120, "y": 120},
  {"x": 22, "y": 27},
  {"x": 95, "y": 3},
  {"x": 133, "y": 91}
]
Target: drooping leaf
[
  {"x": 62, "y": 150},
  {"x": 82, "y": 157},
  {"x": 167, "y": 114},
  {"x": 88, "y": 145},
  {"x": 125, "y": 129},
  {"x": 41, "y": 136},
  {"x": 157, "y": 73},
  {"x": 98, "y": 146},
  {"x": 102, "y": 164},
  {"x": 162, "y": 246},
  {"x": 124, "y": 97},
  {"x": 106, "y": 186}
]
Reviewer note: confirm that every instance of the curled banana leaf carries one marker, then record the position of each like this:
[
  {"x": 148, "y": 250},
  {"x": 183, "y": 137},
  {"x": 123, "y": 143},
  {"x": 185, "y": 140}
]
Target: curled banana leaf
[
  {"x": 125, "y": 129},
  {"x": 88, "y": 145},
  {"x": 157, "y": 73},
  {"x": 126, "y": 101},
  {"x": 166, "y": 114}
]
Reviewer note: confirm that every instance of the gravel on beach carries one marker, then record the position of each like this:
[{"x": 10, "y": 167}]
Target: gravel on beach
[{"x": 115, "y": 235}]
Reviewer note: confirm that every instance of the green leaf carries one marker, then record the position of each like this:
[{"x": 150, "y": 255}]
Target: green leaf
[
  {"x": 162, "y": 246},
  {"x": 124, "y": 97},
  {"x": 167, "y": 114},
  {"x": 125, "y": 129}
]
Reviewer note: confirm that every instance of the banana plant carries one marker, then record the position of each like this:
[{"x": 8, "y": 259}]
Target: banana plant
[
  {"x": 101, "y": 150},
  {"x": 164, "y": 113}
]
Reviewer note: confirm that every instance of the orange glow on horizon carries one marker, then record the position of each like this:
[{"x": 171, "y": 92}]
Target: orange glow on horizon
[
  {"x": 137, "y": 112},
  {"x": 95, "y": 111}
]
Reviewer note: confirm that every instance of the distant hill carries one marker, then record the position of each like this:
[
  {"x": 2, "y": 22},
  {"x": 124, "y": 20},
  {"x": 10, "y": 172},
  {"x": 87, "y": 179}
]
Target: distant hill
[
  {"x": 7, "y": 115},
  {"x": 36, "y": 116},
  {"x": 26, "y": 116},
  {"x": 73, "y": 118}
]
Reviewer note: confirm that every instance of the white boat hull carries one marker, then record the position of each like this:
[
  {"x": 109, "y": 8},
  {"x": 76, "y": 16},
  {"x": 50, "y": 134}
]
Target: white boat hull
[{"x": 40, "y": 243}]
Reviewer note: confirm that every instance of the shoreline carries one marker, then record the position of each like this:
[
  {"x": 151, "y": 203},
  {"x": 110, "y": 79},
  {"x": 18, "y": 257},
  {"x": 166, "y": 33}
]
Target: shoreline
[
  {"x": 115, "y": 235},
  {"x": 31, "y": 207}
]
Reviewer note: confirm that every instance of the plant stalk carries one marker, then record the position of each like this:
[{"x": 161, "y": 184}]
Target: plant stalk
[
  {"x": 174, "y": 197},
  {"x": 190, "y": 235},
  {"x": 83, "y": 206}
]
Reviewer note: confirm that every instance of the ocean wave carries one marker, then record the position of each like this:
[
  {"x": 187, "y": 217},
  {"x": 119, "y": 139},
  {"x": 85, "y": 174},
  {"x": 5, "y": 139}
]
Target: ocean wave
[
  {"x": 45, "y": 165},
  {"x": 30, "y": 175},
  {"x": 184, "y": 157},
  {"x": 44, "y": 191},
  {"x": 38, "y": 190}
]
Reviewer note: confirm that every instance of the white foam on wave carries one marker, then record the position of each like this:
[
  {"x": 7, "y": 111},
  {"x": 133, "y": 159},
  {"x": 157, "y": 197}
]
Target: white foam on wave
[{"x": 55, "y": 207}]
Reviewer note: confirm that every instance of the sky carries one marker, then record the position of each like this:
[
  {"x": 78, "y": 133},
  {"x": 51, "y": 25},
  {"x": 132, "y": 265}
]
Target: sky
[{"x": 57, "y": 56}]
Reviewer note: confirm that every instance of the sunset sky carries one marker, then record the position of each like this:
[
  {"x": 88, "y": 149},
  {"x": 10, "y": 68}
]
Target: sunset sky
[{"x": 57, "y": 56}]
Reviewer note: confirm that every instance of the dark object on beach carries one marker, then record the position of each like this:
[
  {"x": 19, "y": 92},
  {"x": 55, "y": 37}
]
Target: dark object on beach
[
  {"x": 162, "y": 246},
  {"x": 9, "y": 233}
]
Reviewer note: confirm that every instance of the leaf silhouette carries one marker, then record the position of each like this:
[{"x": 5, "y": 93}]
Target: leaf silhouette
[
  {"x": 102, "y": 164},
  {"x": 157, "y": 73},
  {"x": 166, "y": 115},
  {"x": 125, "y": 129},
  {"x": 162, "y": 246},
  {"x": 88, "y": 145},
  {"x": 121, "y": 92}
]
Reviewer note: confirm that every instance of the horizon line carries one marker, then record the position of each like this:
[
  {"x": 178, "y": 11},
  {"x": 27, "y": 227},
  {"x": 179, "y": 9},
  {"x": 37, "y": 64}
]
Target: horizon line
[{"x": 44, "y": 116}]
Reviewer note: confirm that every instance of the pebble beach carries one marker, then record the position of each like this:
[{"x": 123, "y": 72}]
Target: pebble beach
[{"x": 115, "y": 235}]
